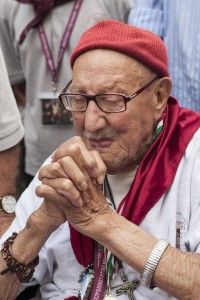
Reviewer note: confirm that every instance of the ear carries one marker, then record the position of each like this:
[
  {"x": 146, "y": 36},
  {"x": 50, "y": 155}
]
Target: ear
[{"x": 163, "y": 91}]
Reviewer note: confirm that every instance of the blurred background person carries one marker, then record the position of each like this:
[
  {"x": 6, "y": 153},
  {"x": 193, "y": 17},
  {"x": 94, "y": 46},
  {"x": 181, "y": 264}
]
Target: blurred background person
[
  {"x": 177, "y": 23},
  {"x": 37, "y": 40},
  {"x": 11, "y": 133}
]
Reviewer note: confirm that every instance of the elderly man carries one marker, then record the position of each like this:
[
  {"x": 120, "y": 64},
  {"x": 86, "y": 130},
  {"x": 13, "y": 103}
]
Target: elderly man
[{"x": 128, "y": 184}]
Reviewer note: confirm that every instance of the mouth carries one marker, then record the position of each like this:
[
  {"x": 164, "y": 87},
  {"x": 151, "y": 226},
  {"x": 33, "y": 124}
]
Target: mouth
[{"x": 102, "y": 143}]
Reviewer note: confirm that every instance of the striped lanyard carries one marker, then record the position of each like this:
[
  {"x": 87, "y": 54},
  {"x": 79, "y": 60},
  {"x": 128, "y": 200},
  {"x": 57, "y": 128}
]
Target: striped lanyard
[{"x": 53, "y": 68}]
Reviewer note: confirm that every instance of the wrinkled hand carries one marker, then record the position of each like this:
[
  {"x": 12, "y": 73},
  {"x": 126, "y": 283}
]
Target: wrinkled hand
[
  {"x": 92, "y": 161},
  {"x": 70, "y": 187}
]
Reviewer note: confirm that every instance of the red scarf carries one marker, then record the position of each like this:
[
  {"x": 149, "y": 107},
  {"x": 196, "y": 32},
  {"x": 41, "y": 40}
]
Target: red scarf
[
  {"x": 154, "y": 176},
  {"x": 41, "y": 8}
]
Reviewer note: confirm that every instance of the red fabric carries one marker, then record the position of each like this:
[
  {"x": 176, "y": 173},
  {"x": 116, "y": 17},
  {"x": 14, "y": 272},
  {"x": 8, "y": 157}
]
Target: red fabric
[
  {"x": 155, "y": 173},
  {"x": 72, "y": 298},
  {"x": 80, "y": 242},
  {"x": 41, "y": 8},
  {"x": 140, "y": 44}
]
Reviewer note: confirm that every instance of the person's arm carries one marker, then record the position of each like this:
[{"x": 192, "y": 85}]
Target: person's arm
[
  {"x": 44, "y": 221},
  {"x": 9, "y": 162},
  {"x": 149, "y": 15},
  {"x": 177, "y": 272},
  {"x": 27, "y": 245}
]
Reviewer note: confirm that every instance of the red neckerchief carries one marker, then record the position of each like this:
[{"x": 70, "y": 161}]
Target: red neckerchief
[
  {"x": 155, "y": 173},
  {"x": 158, "y": 168},
  {"x": 41, "y": 8}
]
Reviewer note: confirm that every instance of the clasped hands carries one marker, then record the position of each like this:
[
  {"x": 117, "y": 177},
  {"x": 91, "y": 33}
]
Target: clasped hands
[{"x": 71, "y": 187}]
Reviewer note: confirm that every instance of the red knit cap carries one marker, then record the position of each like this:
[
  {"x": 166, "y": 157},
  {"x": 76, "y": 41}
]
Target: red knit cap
[{"x": 142, "y": 45}]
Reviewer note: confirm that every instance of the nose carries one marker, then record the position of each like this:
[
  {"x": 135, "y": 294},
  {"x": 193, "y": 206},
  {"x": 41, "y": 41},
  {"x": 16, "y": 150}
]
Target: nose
[{"x": 95, "y": 119}]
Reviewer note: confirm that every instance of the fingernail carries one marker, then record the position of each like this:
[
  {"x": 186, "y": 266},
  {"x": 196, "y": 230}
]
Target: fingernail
[
  {"x": 100, "y": 179},
  {"x": 84, "y": 185},
  {"x": 94, "y": 172}
]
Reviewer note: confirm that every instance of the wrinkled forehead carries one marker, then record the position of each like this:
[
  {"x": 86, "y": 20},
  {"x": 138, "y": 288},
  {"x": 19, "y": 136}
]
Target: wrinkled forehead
[{"x": 108, "y": 63}]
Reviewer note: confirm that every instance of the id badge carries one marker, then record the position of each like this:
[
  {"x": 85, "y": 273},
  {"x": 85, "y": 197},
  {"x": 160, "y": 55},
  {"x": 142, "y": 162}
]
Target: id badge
[
  {"x": 53, "y": 113},
  {"x": 86, "y": 286}
]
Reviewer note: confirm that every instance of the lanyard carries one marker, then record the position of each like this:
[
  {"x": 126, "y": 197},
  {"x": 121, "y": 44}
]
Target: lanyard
[
  {"x": 63, "y": 44},
  {"x": 100, "y": 270}
]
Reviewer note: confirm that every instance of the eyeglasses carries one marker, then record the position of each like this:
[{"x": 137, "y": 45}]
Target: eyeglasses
[{"x": 108, "y": 103}]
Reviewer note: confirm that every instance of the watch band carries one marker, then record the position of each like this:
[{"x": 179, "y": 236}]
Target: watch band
[{"x": 152, "y": 263}]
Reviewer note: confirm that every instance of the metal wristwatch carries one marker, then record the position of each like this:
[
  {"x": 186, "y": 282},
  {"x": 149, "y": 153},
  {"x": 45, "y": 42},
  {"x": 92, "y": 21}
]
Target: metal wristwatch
[{"x": 8, "y": 204}]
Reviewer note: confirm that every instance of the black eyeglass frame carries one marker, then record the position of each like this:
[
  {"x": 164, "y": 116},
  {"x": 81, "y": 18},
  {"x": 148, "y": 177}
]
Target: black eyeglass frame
[{"x": 93, "y": 98}]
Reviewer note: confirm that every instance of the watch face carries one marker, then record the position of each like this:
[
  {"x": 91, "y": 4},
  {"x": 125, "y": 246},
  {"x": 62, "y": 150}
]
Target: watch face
[{"x": 8, "y": 204}]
